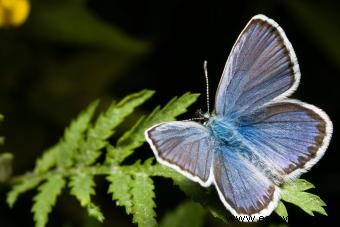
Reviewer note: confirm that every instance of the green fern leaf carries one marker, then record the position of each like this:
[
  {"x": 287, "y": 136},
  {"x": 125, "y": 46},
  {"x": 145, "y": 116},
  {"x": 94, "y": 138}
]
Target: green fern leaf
[
  {"x": 46, "y": 198},
  {"x": 19, "y": 188},
  {"x": 82, "y": 187},
  {"x": 48, "y": 159},
  {"x": 120, "y": 184},
  {"x": 143, "y": 204},
  {"x": 281, "y": 210},
  {"x": 74, "y": 135},
  {"x": 75, "y": 157},
  {"x": 95, "y": 212},
  {"x": 106, "y": 122},
  {"x": 134, "y": 138},
  {"x": 187, "y": 214},
  {"x": 294, "y": 192}
]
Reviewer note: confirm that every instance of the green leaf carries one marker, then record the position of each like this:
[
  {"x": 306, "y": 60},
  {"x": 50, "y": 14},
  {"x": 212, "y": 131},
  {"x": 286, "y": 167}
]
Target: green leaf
[
  {"x": 134, "y": 138},
  {"x": 95, "y": 212},
  {"x": 187, "y": 214},
  {"x": 282, "y": 211},
  {"x": 106, "y": 122},
  {"x": 82, "y": 187},
  {"x": 5, "y": 166},
  {"x": 294, "y": 192},
  {"x": 75, "y": 158},
  {"x": 120, "y": 185},
  {"x": 143, "y": 204},
  {"x": 298, "y": 185},
  {"x": 48, "y": 159},
  {"x": 23, "y": 186},
  {"x": 74, "y": 135},
  {"x": 46, "y": 199}
]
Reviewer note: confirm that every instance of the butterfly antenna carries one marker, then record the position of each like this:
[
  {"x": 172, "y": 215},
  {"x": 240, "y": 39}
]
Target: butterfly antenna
[{"x": 207, "y": 83}]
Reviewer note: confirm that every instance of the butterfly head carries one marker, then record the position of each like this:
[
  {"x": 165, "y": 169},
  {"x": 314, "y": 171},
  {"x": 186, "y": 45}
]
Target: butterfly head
[{"x": 204, "y": 117}]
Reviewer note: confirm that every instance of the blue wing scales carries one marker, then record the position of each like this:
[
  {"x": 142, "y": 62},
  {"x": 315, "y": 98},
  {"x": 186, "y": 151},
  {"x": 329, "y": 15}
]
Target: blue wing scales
[
  {"x": 185, "y": 146},
  {"x": 290, "y": 136},
  {"x": 244, "y": 189},
  {"x": 261, "y": 66}
]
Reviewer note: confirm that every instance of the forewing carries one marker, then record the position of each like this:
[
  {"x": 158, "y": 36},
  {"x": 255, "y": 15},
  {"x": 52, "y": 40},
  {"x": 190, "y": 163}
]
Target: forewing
[
  {"x": 243, "y": 188},
  {"x": 262, "y": 66},
  {"x": 290, "y": 136},
  {"x": 184, "y": 146}
]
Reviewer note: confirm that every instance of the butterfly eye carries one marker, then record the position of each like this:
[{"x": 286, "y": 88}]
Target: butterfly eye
[{"x": 200, "y": 115}]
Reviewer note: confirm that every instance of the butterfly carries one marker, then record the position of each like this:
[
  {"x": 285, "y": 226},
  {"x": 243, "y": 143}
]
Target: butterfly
[{"x": 257, "y": 138}]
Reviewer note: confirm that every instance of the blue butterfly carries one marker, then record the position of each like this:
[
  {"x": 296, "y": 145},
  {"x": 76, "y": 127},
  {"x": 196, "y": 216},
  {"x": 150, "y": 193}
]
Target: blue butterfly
[{"x": 258, "y": 138}]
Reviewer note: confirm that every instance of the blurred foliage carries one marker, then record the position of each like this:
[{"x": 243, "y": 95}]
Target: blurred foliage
[
  {"x": 5, "y": 161},
  {"x": 13, "y": 12},
  {"x": 5, "y": 166},
  {"x": 63, "y": 46}
]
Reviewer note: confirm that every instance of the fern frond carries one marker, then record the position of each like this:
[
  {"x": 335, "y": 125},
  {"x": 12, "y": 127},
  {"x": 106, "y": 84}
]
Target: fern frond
[
  {"x": 281, "y": 210},
  {"x": 46, "y": 198},
  {"x": 74, "y": 158},
  {"x": 295, "y": 192},
  {"x": 143, "y": 204},
  {"x": 120, "y": 185},
  {"x": 95, "y": 212},
  {"x": 23, "y": 186},
  {"x": 82, "y": 187},
  {"x": 134, "y": 138},
  {"x": 48, "y": 159},
  {"x": 73, "y": 135},
  {"x": 106, "y": 122}
]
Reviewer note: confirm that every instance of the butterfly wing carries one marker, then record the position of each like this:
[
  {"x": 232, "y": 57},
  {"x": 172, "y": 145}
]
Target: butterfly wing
[
  {"x": 279, "y": 142},
  {"x": 185, "y": 146},
  {"x": 243, "y": 188},
  {"x": 289, "y": 136},
  {"x": 280, "y": 138},
  {"x": 262, "y": 66}
]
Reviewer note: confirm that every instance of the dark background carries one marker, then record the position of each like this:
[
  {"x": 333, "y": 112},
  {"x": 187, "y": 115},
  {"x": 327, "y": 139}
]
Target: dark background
[{"x": 70, "y": 52}]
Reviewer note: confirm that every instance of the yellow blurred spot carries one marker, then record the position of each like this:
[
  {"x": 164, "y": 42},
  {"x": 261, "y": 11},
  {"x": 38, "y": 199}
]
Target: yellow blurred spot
[{"x": 13, "y": 12}]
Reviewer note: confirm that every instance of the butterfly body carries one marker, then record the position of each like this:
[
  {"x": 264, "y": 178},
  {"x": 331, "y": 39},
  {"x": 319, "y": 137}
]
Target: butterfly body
[
  {"x": 224, "y": 131},
  {"x": 258, "y": 138},
  {"x": 228, "y": 136}
]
